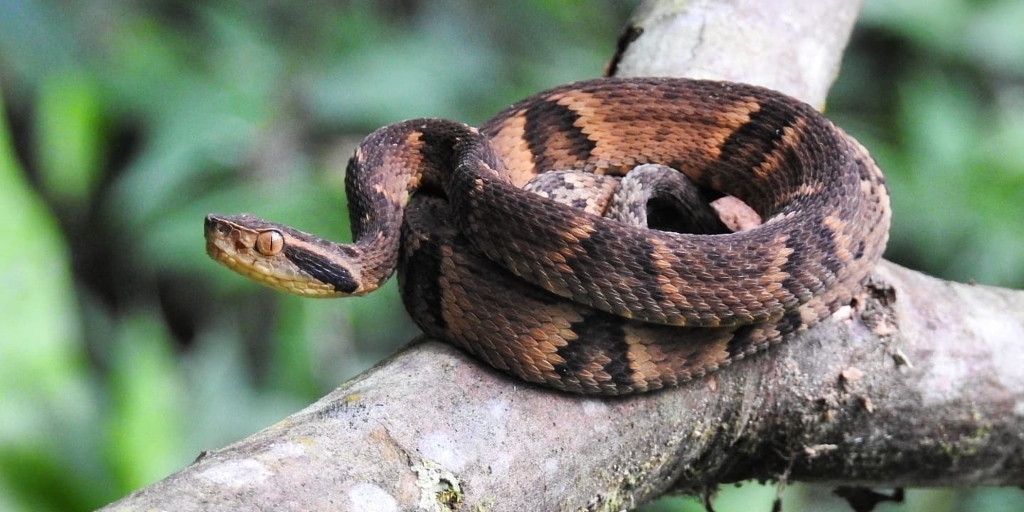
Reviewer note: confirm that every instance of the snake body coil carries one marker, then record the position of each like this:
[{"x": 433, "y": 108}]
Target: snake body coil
[{"x": 577, "y": 301}]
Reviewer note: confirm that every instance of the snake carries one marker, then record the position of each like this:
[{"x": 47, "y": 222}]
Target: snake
[{"x": 572, "y": 299}]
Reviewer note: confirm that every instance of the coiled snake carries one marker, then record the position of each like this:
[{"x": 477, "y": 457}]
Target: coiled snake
[{"x": 573, "y": 300}]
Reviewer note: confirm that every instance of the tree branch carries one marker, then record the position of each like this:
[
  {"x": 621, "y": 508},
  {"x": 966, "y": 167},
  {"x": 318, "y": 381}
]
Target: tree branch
[
  {"x": 792, "y": 47},
  {"x": 921, "y": 383}
]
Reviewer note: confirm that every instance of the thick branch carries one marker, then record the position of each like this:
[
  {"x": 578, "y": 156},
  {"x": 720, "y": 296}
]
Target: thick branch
[
  {"x": 791, "y": 46},
  {"x": 935, "y": 399},
  {"x": 922, "y": 383}
]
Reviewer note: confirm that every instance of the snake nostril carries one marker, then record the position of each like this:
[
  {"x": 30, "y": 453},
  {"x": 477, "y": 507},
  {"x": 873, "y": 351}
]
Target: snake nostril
[{"x": 212, "y": 222}]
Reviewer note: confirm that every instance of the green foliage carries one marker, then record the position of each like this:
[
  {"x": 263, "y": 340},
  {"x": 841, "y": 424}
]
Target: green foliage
[
  {"x": 142, "y": 431},
  {"x": 125, "y": 351},
  {"x": 69, "y": 132},
  {"x": 44, "y": 385}
]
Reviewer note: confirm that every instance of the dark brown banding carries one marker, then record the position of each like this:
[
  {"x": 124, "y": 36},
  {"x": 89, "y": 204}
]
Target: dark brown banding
[
  {"x": 438, "y": 150},
  {"x": 816, "y": 248},
  {"x": 796, "y": 275},
  {"x": 552, "y": 135},
  {"x": 419, "y": 281},
  {"x": 751, "y": 147},
  {"x": 602, "y": 344},
  {"x": 638, "y": 281},
  {"x": 752, "y": 142},
  {"x": 322, "y": 269}
]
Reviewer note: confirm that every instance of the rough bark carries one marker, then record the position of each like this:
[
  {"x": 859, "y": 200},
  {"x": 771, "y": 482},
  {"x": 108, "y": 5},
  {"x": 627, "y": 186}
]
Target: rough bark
[
  {"x": 791, "y": 46},
  {"x": 920, "y": 383}
]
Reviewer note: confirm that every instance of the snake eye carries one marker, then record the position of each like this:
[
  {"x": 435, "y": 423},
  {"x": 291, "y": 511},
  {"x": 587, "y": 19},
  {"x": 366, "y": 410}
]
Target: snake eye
[{"x": 269, "y": 242}]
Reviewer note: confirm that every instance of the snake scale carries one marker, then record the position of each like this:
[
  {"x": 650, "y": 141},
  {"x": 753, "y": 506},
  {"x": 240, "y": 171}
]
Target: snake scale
[{"x": 573, "y": 300}]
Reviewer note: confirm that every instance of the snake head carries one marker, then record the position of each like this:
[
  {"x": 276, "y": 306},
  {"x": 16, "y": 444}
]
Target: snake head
[{"x": 283, "y": 258}]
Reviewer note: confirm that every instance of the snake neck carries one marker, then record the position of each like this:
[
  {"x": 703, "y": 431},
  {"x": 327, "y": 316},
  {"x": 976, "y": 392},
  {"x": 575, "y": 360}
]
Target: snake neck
[{"x": 387, "y": 167}]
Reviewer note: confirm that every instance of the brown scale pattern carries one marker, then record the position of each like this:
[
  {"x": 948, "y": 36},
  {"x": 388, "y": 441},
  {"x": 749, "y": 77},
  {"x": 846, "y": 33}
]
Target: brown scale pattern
[
  {"x": 589, "y": 304},
  {"x": 533, "y": 334}
]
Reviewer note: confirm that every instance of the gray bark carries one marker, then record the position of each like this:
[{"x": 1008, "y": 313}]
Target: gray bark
[
  {"x": 791, "y": 46},
  {"x": 921, "y": 383}
]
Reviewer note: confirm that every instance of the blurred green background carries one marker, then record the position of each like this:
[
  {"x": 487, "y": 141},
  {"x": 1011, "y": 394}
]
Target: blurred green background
[{"x": 124, "y": 351}]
